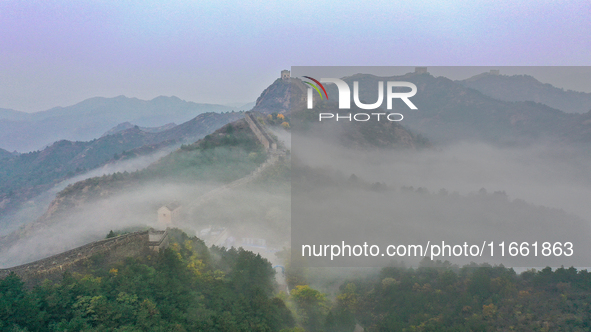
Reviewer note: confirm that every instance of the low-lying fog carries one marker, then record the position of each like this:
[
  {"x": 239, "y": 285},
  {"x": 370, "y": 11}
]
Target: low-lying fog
[
  {"x": 133, "y": 209},
  {"x": 546, "y": 175},
  {"x": 531, "y": 183},
  {"x": 249, "y": 211},
  {"x": 542, "y": 175},
  {"x": 37, "y": 205}
]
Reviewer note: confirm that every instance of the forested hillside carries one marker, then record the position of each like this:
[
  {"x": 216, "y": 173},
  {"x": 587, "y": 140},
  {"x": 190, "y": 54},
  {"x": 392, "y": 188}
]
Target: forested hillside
[
  {"x": 189, "y": 287},
  {"x": 227, "y": 154},
  {"x": 221, "y": 157},
  {"x": 186, "y": 287},
  {"x": 441, "y": 297},
  {"x": 26, "y": 175}
]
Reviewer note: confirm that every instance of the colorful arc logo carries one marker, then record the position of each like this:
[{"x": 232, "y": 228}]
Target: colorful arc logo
[{"x": 316, "y": 87}]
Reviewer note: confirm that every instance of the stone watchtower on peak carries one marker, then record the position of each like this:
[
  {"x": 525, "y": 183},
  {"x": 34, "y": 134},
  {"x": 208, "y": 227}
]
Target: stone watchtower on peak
[{"x": 285, "y": 74}]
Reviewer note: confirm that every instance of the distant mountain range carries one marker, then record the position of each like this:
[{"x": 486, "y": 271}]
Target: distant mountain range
[
  {"x": 13, "y": 115},
  {"x": 127, "y": 125},
  {"x": 449, "y": 111},
  {"x": 527, "y": 88},
  {"x": 26, "y": 175},
  {"x": 91, "y": 118}
]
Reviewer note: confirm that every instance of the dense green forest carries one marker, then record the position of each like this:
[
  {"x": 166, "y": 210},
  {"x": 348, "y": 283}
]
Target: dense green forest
[
  {"x": 443, "y": 297},
  {"x": 186, "y": 287},
  {"x": 189, "y": 287}
]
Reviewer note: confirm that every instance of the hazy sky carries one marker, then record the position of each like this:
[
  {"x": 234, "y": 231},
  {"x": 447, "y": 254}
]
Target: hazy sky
[{"x": 61, "y": 52}]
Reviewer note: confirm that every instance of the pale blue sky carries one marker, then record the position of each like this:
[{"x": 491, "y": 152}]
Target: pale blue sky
[{"x": 61, "y": 52}]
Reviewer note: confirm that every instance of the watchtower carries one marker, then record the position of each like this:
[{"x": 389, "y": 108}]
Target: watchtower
[
  {"x": 168, "y": 213},
  {"x": 285, "y": 74}
]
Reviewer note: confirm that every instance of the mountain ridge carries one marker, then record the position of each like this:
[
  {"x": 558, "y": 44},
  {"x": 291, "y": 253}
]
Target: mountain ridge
[
  {"x": 5, "y": 154},
  {"x": 528, "y": 88},
  {"x": 93, "y": 117},
  {"x": 26, "y": 175},
  {"x": 448, "y": 111},
  {"x": 128, "y": 125}
]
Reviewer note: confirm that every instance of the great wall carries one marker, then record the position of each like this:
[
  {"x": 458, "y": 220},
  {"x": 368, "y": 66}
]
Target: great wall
[
  {"x": 108, "y": 251},
  {"x": 274, "y": 155},
  {"x": 135, "y": 244},
  {"x": 260, "y": 133}
]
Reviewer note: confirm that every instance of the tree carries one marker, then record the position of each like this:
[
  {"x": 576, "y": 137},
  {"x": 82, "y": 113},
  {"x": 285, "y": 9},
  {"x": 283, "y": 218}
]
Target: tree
[
  {"x": 312, "y": 307},
  {"x": 18, "y": 308}
]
